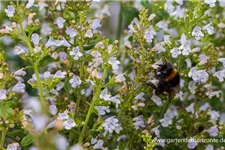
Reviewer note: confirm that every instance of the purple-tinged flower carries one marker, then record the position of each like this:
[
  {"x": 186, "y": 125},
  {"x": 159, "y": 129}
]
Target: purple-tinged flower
[
  {"x": 175, "y": 52},
  {"x": 211, "y": 3},
  {"x": 112, "y": 124},
  {"x": 102, "y": 110},
  {"x": 185, "y": 45},
  {"x": 149, "y": 34},
  {"x": 13, "y": 146},
  {"x": 162, "y": 25},
  {"x": 220, "y": 75},
  {"x": 53, "y": 109},
  {"x": 71, "y": 32},
  {"x": 62, "y": 55},
  {"x": 178, "y": 13},
  {"x": 54, "y": 92},
  {"x": 120, "y": 78},
  {"x": 190, "y": 108},
  {"x": 139, "y": 122},
  {"x": 140, "y": 97},
  {"x": 20, "y": 72},
  {"x": 59, "y": 86},
  {"x": 19, "y": 88},
  {"x": 60, "y": 22},
  {"x": 214, "y": 115},
  {"x": 75, "y": 52},
  {"x": 59, "y": 74},
  {"x": 98, "y": 144},
  {"x": 69, "y": 123},
  {"x": 18, "y": 50},
  {"x": 156, "y": 100},
  {"x": 192, "y": 143},
  {"x": 209, "y": 147},
  {"x": 204, "y": 107},
  {"x": 209, "y": 29},
  {"x": 35, "y": 38},
  {"x": 30, "y": 4},
  {"x": 104, "y": 95},
  {"x": 10, "y": 11},
  {"x": 168, "y": 6},
  {"x": 222, "y": 60},
  {"x": 95, "y": 24},
  {"x": 39, "y": 122},
  {"x": 203, "y": 59},
  {"x": 197, "y": 33},
  {"x": 114, "y": 63},
  {"x": 75, "y": 81},
  {"x": 2, "y": 94},
  {"x": 213, "y": 131},
  {"x": 89, "y": 34},
  {"x": 132, "y": 28},
  {"x": 62, "y": 116},
  {"x": 61, "y": 142}
]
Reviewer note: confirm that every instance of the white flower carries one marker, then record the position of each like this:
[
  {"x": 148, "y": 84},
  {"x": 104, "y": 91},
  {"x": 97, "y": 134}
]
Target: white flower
[
  {"x": 204, "y": 107},
  {"x": 39, "y": 122},
  {"x": 197, "y": 33},
  {"x": 62, "y": 116},
  {"x": 159, "y": 48},
  {"x": 120, "y": 78},
  {"x": 59, "y": 74},
  {"x": 59, "y": 86},
  {"x": 19, "y": 50},
  {"x": 13, "y": 146},
  {"x": 140, "y": 97},
  {"x": 61, "y": 142},
  {"x": 203, "y": 59},
  {"x": 95, "y": 24},
  {"x": 175, "y": 52},
  {"x": 75, "y": 52},
  {"x": 98, "y": 144},
  {"x": 214, "y": 115},
  {"x": 53, "y": 109},
  {"x": 149, "y": 34},
  {"x": 209, "y": 147},
  {"x": 220, "y": 75},
  {"x": 156, "y": 100},
  {"x": 178, "y": 13},
  {"x": 35, "y": 38},
  {"x": 112, "y": 124},
  {"x": 132, "y": 28},
  {"x": 30, "y": 4},
  {"x": 162, "y": 25},
  {"x": 2, "y": 94},
  {"x": 102, "y": 110},
  {"x": 213, "y": 131},
  {"x": 60, "y": 22},
  {"x": 168, "y": 6},
  {"x": 104, "y": 95},
  {"x": 198, "y": 75},
  {"x": 71, "y": 32},
  {"x": 19, "y": 88},
  {"x": 185, "y": 45},
  {"x": 75, "y": 81},
  {"x": 211, "y": 3},
  {"x": 69, "y": 123},
  {"x": 190, "y": 108},
  {"x": 139, "y": 122},
  {"x": 114, "y": 63},
  {"x": 89, "y": 34},
  {"x": 209, "y": 29},
  {"x": 168, "y": 116},
  {"x": 10, "y": 11},
  {"x": 192, "y": 143},
  {"x": 222, "y": 60}
]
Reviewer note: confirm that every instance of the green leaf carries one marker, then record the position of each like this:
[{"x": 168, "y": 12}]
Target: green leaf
[
  {"x": 45, "y": 61},
  {"x": 27, "y": 140}
]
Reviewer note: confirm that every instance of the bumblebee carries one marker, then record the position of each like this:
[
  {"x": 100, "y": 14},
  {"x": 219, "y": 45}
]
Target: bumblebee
[{"x": 169, "y": 79}]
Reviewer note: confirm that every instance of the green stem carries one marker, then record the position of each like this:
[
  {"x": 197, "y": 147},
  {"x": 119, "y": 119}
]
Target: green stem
[
  {"x": 165, "y": 107},
  {"x": 96, "y": 95},
  {"x": 77, "y": 104},
  {"x": 4, "y": 130},
  {"x": 120, "y": 21}
]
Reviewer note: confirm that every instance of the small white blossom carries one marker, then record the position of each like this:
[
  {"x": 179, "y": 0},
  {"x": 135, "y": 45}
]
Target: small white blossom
[
  {"x": 30, "y": 4},
  {"x": 112, "y": 124},
  {"x": 75, "y": 52},
  {"x": 61, "y": 142},
  {"x": 140, "y": 97},
  {"x": 98, "y": 144},
  {"x": 209, "y": 29},
  {"x": 178, "y": 13},
  {"x": 19, "y": 88},
  {"x": 149, "y": 34},
  {"x": 53, "y": 109},
  {"x": 95, "y": 24},
  {"x": 204, "y": 107},
  {"x": 89, "y": 34},
  {"x": 214, "y": 115},
  {"x": 2, "y": 94},
  {"x": 197, "y": 33},
  {"x": 39, "y": 122},
  {"x": 139, "y": 122},
  {"x": 35, "y": 38},
  {"x": 13, "y": 146},
  {"x": 157, "y": 100},
  {"x": 10, "y": 11},
  {"x": 114, "y": 63},
  {"x": 59, "y": 86},
  {"x": 190, "y": 108},
  {"x": 175, "y": 52},
  {"x": 213, "y": 131},
  {"x": 220, "y": 75},
  {"x": 60, "y": 22},
  {"x": 71, "y": 32},
  {"x": 75, "y": 81},
  {"x": 62, "y": 116},
  {"x": 19, "y": 50},
  {"x": 211, "y": 3},
  {"x": 203, "y": 59},
  {"x": 120, "y": 78},
  {"x": 102, "y": 110},
  {"x": 222, "y": 60},
  {"x": 185, "y": 45},
  {"x": 192, "y": 143},
  {"x": 104, "y": 95},
  {"x": 59, "y": 74},
  {"x": 69, "y": 123},
  {"x": 209, "y": 147}
]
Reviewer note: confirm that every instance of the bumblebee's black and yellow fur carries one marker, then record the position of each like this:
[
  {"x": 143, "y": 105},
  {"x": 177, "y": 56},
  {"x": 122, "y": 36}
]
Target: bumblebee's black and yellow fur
[{"x": 169, "y": 79}]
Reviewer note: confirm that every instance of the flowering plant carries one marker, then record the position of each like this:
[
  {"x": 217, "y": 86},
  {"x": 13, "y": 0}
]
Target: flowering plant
[{"x": 75, "y": 74}]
